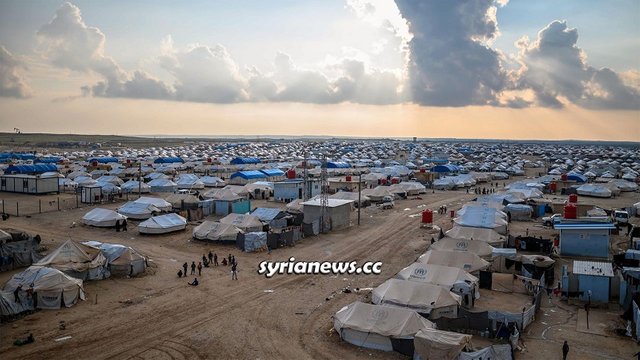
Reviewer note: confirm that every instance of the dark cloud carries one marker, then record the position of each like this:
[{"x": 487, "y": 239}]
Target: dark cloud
[
  {"x": 450, "y": 63},
  {"x": 12, "y": 83},
  {"x": 554, "y": 67}
]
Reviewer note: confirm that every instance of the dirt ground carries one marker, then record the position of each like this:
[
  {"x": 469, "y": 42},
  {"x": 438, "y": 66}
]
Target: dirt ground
[{"x": 158, "y": 316}]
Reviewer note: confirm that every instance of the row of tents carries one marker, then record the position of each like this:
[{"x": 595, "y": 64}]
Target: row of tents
[{"x": 56, "y": 280}]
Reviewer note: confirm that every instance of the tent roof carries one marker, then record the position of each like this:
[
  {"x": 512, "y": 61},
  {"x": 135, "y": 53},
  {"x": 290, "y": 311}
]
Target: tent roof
[
  {"x": 43, "y": 279},
  {"x": 414, "y": 294},
  {"x": 164, "y": 221},
  {"x": 435, "y": 274},
  {"x": 248, "y": 174},
  {"x": 30, "y": 169},
  {"x": 383, "y": 320},
  {"x": 467, "y": 261},
  {"x": 272, "y": 172}
]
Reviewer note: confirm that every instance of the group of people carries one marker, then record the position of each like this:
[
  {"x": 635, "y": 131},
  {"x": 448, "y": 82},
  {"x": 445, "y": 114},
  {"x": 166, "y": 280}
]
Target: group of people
[
  {"x": 209, "y": 260},
  {"x": 121, "y": 225},
  {"x": 442, "y": 210},
  {"x": 484, "y": 191}
]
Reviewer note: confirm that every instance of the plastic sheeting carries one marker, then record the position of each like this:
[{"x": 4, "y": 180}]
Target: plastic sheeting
[
  {"x": 493, "y": 352},
  {"x": 255, "y": 241},
  {"x": 432, "y": 344}
]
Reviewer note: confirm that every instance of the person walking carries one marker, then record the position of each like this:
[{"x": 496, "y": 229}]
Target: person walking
[
  {"x": 229, "y": 259},
  {"x": 184, "y": 266},
  {"x": 193, "y": 268},
  {"x": 234, "y": 271},
  {"x": 210, "y": 255},
  {"x": 215, "y": 259},
  {"x": 16, "y": 294},
  {"x": 117, "y": 225},
  {"x": 200, "y": 268},
  {"x": 124, "y": 225},
  {"x": 565, "y": 350}
]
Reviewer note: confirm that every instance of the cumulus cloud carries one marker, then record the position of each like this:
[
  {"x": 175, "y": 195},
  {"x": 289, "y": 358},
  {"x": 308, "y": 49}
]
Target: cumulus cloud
[
  {"x": 69, "y": 43},
  {"x": 556, "y": 68},
  {"x": 450, "y": 62},
  {"x": 204, "y": 74},
  {"x": 12, "y": 83}
]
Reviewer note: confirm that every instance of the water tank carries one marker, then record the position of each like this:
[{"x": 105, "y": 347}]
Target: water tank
[
  {"x": 573, "y": 198},
  {"x": 570, "y": 211},
  {"x": 348, "y": 178},
  {"x": 553, "y": 186},
  {"x": 452, "y": 213},
  {"x": 383, "y": 181},
  {"x": 394, "y": 180},
  {"x": 564, "y": 177},
  {"x": 208, "y": 160},
  {"x": 423, "y": 170},
  {"x": 427, "y": 216},
  {"x": 94, "y": 163},
  {"x": 128, "y": 161},
  {"x": 291, "y": 174}
]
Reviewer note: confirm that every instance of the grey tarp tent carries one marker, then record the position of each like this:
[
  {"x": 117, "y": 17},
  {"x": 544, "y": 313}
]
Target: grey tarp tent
[
  {"x": 73, "y": 260},
  {"x": 432, "y": 344},
  {"x": 51, "y": 287}
]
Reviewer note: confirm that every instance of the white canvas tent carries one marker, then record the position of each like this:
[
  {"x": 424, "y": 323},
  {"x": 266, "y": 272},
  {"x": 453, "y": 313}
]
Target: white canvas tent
[
  {"x": 472, "y": 233},
  {"x": 162, "y": 224},
  {"x": 424, "y": 298},
  {"x": 50, "y": 286},
  {"x": 482, "y": 217},
  {"x": 594, "y": 191},
  {"x": 246, "y": 223},
  {"x": 432, "y": 344},
  {"x": 467, "y": 261},
  {"x": 71, "y": 259},
  {"x": 480, "y": 248},
  {"x": 374, "y": 326},
  {"x": 138, "y": 211},
  {"x": 134, "y": 186},
  {"x": 102, "y": 218},
  {"x": 216, "y": 231},
  {"x": 162, "y": 185},
  {"x": 157, "y": 202},
  {"x": 444, "y": 276},
  {"x": 121, "y": 260},
  {"x": 212, "y": 181}
]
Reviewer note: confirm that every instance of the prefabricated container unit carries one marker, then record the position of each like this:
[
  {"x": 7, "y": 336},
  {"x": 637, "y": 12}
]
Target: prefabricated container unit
[{"x": 28, "y": 184}]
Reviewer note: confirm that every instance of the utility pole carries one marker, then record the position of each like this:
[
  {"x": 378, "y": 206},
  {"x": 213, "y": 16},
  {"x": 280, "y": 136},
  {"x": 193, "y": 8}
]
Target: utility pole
[
  {"x": 359, "y": 194},
  {"x": 324, "y": 196},
  {"x": 139, "y": 179},
  {"x": 305, "y": 195}
]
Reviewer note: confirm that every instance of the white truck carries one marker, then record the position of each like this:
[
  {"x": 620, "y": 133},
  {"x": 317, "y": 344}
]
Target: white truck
[
  {"x": 387, "y": 203},
  {"x": 550, "y": 220}
]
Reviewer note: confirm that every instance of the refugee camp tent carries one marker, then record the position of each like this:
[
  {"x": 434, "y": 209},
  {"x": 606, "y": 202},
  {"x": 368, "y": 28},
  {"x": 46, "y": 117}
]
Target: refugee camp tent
[
  {"x": 353, "y": 196},
  {"x": 110, "y": 179},
  {"x": 183, "y": 201},
  {"x": 161, "y": 204},
  {"x": 480, "y": 248},
  {"x": 246, "y": 223},
  {"x": 212, "y": 181},
  {"x": 432, "y": 344},
  {"x": 472, "y": 233},
  {"x": 9, "y": 307},
  {"x": 594, "y": 190},
  {"x": 51, "y": 287},
  {"x": 519, "y": 212},
  {"x": 121, "y": 260},
  {"x": 379, "y": 327},
  {"x": 624, "y": 185},
  {"x": 467, "y": 261},
  {"x": 189, "y": 181},
  {"x": 444, "y": 276},
  {"x": 216, "y": 231},
  {"x": 428, "y": 299},
  {"x": 295, "y": 206},
  {"x": 102, "y": 218},
  {"x": 134, "y": 186},
  {"x": 18, "y": 251},
  {"x": 253, "y": 241},
  {"x": 162, "y": 224},
  {"x": 71, "y": 259},
  {"x": 377, "y": 194},
  {"x": 138, "y": 211},
  {"x": 162, "y": 185},
  {"x": 493, "y": 352}
]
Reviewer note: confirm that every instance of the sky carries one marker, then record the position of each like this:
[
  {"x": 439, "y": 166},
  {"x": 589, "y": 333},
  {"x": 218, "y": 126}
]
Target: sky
[{"x": 497, "y": 69}]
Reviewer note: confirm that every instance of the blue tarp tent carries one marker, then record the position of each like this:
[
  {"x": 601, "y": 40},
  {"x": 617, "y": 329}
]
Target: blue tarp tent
[
  {"x": 272, "y": 172},
  {"x": 446, "y": 168},
  {"x": 30, "y": 169},
  {"x": 337, "y": 165},
  {"x": 48, "y": 160},
  {"x": 103, "y": 160},
  {"x": 248, "y": 175},
  {"x": 577, "y": 178},
  {"x": 168, "y": 160},
  {"x": 245, "y": 160}
]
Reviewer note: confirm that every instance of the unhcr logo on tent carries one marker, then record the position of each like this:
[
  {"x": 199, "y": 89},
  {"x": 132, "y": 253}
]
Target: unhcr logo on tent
[
  {"x": 420, "y": 272},
  {"x": 378, "y": 315},
  {"x": 462, "y": 245}
]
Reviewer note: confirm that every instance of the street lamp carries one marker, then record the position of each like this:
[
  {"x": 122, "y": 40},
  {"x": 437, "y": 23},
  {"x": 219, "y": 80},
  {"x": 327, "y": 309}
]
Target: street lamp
[{"x": 587, "y": 306}]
